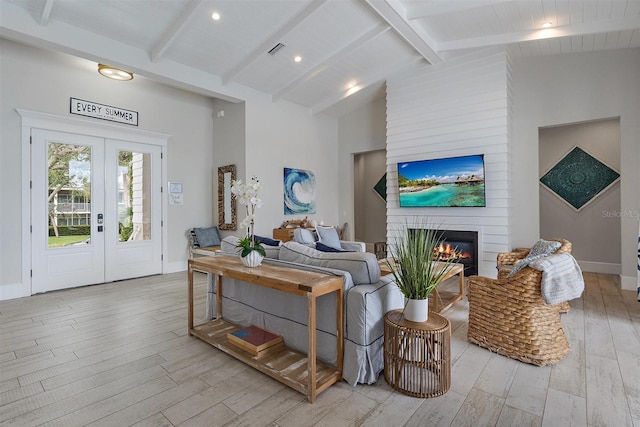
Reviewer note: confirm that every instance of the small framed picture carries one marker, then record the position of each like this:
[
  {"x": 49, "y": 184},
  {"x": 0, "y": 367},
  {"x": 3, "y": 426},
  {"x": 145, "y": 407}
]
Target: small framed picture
[{"x": 175, "y": 187}]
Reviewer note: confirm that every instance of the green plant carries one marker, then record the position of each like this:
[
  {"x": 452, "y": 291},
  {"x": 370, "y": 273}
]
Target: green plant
[
  {"x": 124, "y": 232},
  {"x": 248, "y": 245},
  {"x": 412, "y": 262}
]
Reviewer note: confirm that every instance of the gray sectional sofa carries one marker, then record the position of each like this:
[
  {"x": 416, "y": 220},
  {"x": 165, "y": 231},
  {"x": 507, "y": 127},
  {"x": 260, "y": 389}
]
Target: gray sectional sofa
[{"x": 367, "y": 298}]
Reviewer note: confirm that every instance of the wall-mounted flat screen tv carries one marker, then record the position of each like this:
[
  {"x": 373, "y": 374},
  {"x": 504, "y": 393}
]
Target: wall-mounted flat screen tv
[{"x": 447, "y": 182}]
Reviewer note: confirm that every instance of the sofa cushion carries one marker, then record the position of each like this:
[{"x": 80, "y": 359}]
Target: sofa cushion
[
  {"x": 231, "y": 245},
  {"x": 207, "y": 236},
  {"x": 363, "y": 266}
]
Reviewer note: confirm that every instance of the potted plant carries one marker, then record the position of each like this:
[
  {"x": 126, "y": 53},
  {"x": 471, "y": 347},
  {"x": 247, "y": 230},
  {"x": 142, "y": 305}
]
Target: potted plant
[
  {"x": 252, "y": 252},
  {"x": 414, "y": 268}
]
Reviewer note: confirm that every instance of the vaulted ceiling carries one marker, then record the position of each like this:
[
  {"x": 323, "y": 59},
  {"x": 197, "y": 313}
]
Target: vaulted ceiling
[{"x": 347, "y": 48}]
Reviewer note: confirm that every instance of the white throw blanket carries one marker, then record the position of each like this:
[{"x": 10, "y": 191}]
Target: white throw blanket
[{"x": 561, "y": 278}]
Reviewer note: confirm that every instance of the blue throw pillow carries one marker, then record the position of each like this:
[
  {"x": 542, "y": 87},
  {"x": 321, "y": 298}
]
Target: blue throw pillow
[
  {"x": 207, "y": 237},
  {"x": 267, "y": 241},
  {"x": 324, "y": 248},
  {"x": 328, "y": 236}
]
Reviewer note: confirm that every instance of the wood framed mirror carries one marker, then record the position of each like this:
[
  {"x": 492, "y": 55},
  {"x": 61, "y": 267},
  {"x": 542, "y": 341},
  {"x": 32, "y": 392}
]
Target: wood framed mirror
[{"x": 226, "y": 203}]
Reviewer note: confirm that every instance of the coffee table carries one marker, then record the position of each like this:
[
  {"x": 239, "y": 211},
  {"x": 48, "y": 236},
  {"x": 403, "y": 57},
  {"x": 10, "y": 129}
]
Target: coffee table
[{"x": 442, "y": 299}]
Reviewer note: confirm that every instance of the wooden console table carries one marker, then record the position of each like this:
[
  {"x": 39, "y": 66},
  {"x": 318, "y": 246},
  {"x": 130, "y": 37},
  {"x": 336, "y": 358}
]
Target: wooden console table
[
  {"x": 286, "y": 365},
  {"x": 441, "y": 300}
]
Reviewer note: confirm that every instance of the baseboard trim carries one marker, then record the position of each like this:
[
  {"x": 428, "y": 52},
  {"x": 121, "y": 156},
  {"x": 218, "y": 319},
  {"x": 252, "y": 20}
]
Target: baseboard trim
[
  {"x": 175, "y": 267},
  {"x": 600, "y": 267},
  {"x": 629, "y": 283},
  {"x": 13, "y": 291}
]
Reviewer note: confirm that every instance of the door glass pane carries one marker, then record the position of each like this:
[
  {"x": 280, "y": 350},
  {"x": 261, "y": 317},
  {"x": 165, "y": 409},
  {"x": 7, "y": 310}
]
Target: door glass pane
[
  {"x": 134, "y": 196},
  {"x": 69, "y": 194}
]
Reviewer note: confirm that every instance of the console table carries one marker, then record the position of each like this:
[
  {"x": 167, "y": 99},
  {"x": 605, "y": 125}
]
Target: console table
[
  {"x": 442, "y": 300},
  {"x": 302, "y": 372}
]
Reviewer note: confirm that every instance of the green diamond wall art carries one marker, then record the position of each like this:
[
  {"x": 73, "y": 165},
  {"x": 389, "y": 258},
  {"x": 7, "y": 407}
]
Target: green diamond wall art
[{"x": 578, "y": 178}]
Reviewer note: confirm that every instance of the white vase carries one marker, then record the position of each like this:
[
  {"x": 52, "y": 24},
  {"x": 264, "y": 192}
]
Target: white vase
[
  {"x": 416, "y": 310},
  {"x": 253, "y": 259}
]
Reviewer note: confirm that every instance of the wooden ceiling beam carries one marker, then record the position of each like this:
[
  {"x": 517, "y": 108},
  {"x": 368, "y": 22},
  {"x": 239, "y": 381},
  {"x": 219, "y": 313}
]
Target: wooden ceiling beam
[
  {"x": 46, "y": 13},
  {"x": 631, "y": 23},
  {"x": 394, "y": 13},
  {"x": 333, "y": 59},
  {"x": 272, "y": 40},
  {"x": 167, "y": 39}
]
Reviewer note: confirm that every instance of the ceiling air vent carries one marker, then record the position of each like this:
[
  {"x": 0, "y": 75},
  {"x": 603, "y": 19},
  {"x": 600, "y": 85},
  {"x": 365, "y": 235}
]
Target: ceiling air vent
[{"x": 275, "y": 49}]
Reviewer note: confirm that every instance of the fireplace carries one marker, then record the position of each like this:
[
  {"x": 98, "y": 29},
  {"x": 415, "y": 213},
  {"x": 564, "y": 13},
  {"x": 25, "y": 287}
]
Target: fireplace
[{"x": 462, "y": 246}]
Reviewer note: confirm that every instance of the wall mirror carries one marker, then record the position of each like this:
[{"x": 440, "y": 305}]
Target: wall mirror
[{"x": 226, "y": 203}]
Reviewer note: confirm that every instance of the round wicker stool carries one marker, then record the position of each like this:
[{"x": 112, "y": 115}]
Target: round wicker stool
[{"x": 417, "y": 356}]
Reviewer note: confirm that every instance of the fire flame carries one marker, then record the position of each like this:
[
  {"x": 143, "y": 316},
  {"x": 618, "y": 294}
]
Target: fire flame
[{"x": 444, "y": 252}]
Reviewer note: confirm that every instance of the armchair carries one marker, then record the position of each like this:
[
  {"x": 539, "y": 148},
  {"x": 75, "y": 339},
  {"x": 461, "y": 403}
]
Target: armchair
[{"x": 509, "y": 316}]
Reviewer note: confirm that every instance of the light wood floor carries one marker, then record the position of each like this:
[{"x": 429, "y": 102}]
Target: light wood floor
[{"x": 118, "y": 354}]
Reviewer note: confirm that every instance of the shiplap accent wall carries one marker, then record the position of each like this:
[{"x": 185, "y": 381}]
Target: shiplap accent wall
[{"x": 454, "y": 109}]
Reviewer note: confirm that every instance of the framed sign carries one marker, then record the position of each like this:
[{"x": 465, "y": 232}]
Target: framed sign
[{"x": 103, "y": 112}]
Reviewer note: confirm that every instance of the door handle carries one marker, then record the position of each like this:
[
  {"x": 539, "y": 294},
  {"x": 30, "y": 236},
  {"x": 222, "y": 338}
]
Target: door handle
[{"x": 100, "y": 218}]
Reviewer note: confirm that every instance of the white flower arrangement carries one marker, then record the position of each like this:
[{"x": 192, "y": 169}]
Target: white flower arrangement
[{"x": 247, "y": 194}]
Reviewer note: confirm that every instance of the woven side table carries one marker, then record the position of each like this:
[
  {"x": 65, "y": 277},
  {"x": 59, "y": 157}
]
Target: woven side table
[{"x": 417, "y": 356}]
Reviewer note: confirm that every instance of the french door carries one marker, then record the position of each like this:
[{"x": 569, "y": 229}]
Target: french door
[{"x": 96, "y": 210}]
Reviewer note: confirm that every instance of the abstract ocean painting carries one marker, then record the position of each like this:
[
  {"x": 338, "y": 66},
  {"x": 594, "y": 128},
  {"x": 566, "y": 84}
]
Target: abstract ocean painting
[{"x": 299, "y": 191}]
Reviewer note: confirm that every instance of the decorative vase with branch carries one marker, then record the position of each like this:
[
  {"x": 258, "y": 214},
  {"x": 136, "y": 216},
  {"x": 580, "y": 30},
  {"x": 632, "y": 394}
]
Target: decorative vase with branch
[
  {"x": 414, "y": 268},
  {"x": 247, "y": 194}
]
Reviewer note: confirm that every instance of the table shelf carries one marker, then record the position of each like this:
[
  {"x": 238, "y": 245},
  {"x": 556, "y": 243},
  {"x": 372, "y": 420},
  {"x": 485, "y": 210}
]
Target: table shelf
[{"x": 285, "y": 365}]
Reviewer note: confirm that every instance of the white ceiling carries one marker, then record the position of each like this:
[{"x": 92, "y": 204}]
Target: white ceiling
[{"x": 361, "y": 42}]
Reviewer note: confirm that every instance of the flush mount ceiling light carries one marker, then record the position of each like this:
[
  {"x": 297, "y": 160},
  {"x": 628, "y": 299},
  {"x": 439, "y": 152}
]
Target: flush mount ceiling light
[
  {"x": 114, "y": 73},
  {"x": 547, "y": 24},
  {"x": 297, "y": 58},
  {"x": 215, "y": 16}
]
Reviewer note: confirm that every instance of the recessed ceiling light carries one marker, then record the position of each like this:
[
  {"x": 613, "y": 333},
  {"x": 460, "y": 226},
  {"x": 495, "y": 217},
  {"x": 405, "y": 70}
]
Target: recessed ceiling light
[
  {"x": 114, "y": 73},
  {"x": 547, "y": 24},
  {"x": 297, "y": 58},
  {"x": 215, "y": 16}
]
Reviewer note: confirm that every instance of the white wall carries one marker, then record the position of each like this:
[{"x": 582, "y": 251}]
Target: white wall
[
  {"x": 277, "y": 135},
  {"x": 280, "y": 135},
  {"x": 229, "y": 125},
  {"x": 452, "y": 109},
  {"x": 262, "y": 138},
  {"x": 43, "y": 81},
  {"x": 360, "y": 131},
  {"x": 572, "y": 88}
]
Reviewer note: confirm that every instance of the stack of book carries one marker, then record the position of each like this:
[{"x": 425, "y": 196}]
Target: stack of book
[{"x": 256, "y": 341}]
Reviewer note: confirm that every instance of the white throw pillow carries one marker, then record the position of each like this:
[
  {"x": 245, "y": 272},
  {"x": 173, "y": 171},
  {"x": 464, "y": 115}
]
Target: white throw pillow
[{"x": 304, "y": 236}]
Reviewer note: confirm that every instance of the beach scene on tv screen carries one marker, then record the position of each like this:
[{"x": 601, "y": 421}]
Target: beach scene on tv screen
[{"x": 454, "y": 181}]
